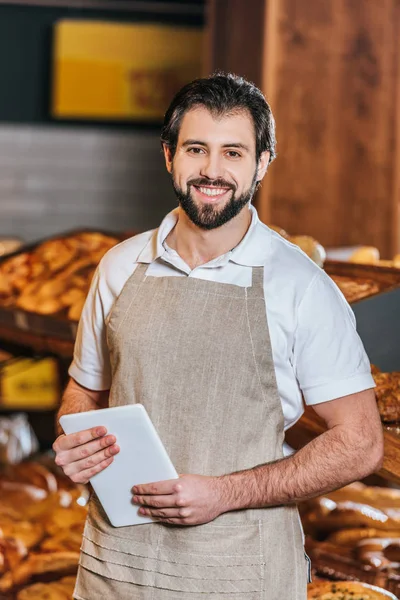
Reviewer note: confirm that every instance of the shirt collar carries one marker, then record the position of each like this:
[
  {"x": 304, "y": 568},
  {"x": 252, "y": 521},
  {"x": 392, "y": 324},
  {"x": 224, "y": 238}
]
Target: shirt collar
[{"x": 252, "y": 251}]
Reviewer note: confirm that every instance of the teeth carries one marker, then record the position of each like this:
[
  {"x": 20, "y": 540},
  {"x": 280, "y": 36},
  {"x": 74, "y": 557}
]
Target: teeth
[{"x": 212, "y": 191}]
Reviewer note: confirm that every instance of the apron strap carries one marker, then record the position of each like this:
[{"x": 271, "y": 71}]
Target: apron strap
[
  {"x": 139, "y": 274},
  {"x": 257, "y": 283}
]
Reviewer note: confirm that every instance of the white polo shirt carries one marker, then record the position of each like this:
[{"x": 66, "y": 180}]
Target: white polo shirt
[{"x": 315, "y": 346}]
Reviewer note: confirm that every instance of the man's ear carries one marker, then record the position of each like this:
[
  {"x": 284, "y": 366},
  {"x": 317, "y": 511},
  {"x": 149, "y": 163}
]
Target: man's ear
[
  {"x": 262, "y": 166},
  {"x": 168, "y": 157}
]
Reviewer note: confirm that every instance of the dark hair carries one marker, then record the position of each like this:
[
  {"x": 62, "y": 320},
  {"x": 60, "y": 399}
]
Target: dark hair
[{"x": 222, "y": 93}]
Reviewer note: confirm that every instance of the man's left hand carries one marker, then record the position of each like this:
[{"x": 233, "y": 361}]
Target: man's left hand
[{"x": 189, "y": 500}]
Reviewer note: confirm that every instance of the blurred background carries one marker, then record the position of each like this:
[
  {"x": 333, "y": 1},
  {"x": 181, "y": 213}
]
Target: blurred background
[
  {"x": 77, "y": 148},
  {"x": 84, "y": 85}
]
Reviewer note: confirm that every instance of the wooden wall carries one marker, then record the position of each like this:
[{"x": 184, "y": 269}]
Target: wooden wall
[{"x": 331, "y": 71}]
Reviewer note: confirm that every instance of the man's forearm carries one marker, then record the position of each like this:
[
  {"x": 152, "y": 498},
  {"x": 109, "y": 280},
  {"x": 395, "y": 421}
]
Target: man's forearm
[
  {"x": 77, "y": 399},
  {"x": 332, "y": 460}
]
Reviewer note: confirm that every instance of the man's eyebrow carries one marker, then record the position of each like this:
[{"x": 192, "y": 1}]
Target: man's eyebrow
[{"x": 201, "y": 143}]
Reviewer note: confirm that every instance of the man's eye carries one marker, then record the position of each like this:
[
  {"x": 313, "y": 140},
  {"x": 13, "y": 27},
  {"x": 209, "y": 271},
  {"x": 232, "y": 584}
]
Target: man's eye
[
  {"x": 233, "y": 154},
  {"x": 195, "y": 150}
]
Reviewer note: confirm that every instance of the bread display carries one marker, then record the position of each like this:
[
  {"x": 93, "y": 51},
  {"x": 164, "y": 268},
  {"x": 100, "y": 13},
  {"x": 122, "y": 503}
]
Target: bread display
[
  {"x": 346, "y": 590},
  {"x": 57, "y": 590},
  {"x": 369, "y": 255},
  {"x": 388, "y": 395},
  {"x": 54, "y": 278},
  {"x": 308, "y": 244},
  {"x": 365, "y": 255},
  {"x": 354, "y": 290},
  {"x": 41, "y": 525},
  {"x": 354, "y": 534}
]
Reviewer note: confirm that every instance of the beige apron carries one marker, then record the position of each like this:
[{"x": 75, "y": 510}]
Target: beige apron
[{"x": 197, "y": 355}]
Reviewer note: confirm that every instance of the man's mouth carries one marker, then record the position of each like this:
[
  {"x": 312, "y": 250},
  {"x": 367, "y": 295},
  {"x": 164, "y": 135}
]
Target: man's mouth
[{"x": 211, "y": 192}]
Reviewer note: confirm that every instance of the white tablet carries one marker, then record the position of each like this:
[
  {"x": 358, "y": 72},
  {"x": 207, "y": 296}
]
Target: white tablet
[{"x": 142, "y": 458}]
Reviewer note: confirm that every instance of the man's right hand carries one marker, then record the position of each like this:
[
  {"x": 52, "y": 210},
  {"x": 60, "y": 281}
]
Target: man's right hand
[{"x": 81, "y": 455}]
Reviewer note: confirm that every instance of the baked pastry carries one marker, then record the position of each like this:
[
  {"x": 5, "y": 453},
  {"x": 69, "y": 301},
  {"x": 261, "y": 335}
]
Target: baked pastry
[
  {"x": 388, "y": 396},
  {"x": 279, "y": 230},
  {"x": 346, "y": 590},
  {"x": 33, "y": 473},
  {"x": 67, "y": 539},
  {"x": 378, "y": 497},
  {"x": 367, "y": 255},
  {"x": 380, "y": 552},
  {"x": 17, "y": 494},
  {"x": 12, "y": 552},
  {"x": 64, "y": 518},
  {"x": 351, "y": 537},
  {"x": 338, "y": 562},
  {"x": 311, "y": 247},
  {"x": 55, "y": 277},
  {"x": 355, "y": 290},
  {"x": 55, "y": 563},
  {"x": 331, "y": 516},
  {"x": 43, "y": 591},
  {"x": 29, "y": 534}
]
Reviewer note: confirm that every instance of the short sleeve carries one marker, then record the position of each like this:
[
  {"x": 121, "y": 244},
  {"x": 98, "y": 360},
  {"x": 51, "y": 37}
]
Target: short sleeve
[
  {"x": 91, "y": 363},
  {"x": 328, "y": 355}
]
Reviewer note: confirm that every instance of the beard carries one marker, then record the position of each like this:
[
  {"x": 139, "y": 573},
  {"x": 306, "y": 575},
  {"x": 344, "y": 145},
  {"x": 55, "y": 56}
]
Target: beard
[{"x": 207, "y": 216}]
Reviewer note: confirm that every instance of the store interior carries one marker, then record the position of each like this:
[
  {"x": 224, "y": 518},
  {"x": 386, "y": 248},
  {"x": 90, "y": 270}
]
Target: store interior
[{"x": 83, "y": 89}]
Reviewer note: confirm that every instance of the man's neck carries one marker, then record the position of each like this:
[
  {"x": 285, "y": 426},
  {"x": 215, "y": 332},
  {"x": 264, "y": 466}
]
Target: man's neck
[{"x": 197, "y": 246}]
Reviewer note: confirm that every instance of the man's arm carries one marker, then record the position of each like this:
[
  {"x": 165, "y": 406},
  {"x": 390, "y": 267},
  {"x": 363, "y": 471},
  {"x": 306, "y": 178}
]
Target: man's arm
[
  {"x": 350, "y": 449},
  {"x": 77, "y": 398},
  {"x": 81, "y": 455}
]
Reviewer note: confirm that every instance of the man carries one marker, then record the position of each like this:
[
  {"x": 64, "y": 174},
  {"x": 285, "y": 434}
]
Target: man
[{"x": 217, "y": 325}]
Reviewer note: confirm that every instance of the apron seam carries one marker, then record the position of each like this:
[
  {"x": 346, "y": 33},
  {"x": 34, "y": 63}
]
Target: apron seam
[
  {"x": 205, "y": 293},
  {"x": 138, "y": 286},
  {"x": 158, "y": 548},
  {"x": 172, "y": 575},
  {"x": 92, "y": 569},
  {"x": 296, "y": 566},
  {"x": 158, "y": 560},
  {"x": 131, "y": 278},
  {"x": 252, "y": 347},
  {"x": 262, "y": 561}
]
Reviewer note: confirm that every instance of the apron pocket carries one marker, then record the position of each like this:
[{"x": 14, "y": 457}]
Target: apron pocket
[{"x": 211, "y": 559}]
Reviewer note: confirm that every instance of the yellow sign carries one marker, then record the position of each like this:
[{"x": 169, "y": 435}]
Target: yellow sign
[
  {"x": 30, "y": 384},
  {"x": 118, "y": 71}
]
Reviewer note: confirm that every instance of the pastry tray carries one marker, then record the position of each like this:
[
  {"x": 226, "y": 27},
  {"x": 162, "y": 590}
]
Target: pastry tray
[
  {"x": 387, "y": 278},
  {"x": 14, "y": 320}
]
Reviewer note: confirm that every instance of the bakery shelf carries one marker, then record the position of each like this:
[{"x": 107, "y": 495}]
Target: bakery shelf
[
  {"x": 311, "y": 426},
  {"x": 38, "y": 343}
]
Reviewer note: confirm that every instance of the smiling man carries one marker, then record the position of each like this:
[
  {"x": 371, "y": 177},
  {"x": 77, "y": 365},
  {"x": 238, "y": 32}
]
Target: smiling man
[{"x": 218, "y": 326}]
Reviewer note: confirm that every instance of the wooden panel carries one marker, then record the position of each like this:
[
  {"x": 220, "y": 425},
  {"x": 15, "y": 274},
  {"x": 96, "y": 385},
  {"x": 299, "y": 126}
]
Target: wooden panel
[
  {"x": 235, "y": 37},
  {"x": 334, "y": 101},
  {"x": 330, "y": 71}
]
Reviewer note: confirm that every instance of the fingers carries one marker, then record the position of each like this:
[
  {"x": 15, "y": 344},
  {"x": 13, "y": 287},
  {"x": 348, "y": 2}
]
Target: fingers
[
  {"x": 85, "y": 475},
  {"x": 169, "y": 501},
  {"x": 170, "y": 486},
  {"x": 66, "y": 457},
  {"x": 84, "y": 454},
  {"x": 67, "y": 442},
  {"x": 181, "y": 514},
  {"x": 92, "y": 462}
]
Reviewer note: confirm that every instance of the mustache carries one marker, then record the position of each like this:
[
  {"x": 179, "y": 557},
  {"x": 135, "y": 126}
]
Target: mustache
[{"x": 199, "y": 181}]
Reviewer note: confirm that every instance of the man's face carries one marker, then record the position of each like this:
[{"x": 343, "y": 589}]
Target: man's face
[{"x": 214, "y": 170}]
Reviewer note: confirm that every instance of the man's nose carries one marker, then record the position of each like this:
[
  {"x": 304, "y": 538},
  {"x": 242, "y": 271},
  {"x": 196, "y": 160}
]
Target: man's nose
[{"x": 211, "y": 167}]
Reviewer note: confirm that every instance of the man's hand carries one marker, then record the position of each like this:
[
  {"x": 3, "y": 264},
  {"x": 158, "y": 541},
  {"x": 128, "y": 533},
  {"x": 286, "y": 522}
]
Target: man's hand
[
  {"x": 81, "y": 455},
  {"x": 189, "y": 500}
]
